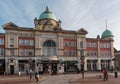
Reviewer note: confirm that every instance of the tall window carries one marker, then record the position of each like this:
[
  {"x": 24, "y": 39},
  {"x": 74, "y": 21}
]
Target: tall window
[
  {"x": 26, "y": 42},
  {"x": 1, "y": 52},
  {"x": 21, "y": 52},
  {"x": 11, "y": 52},
  {"x": 49, "y": 48},
  {"x": 25, "y": 52},
  {"x": 11, "y": 42},
  {"x": 31, "y": 42},
  {"x": 21, "y": 42},
  {"x": 1, "y": 41},
  {"x": 81, "y": 44}
]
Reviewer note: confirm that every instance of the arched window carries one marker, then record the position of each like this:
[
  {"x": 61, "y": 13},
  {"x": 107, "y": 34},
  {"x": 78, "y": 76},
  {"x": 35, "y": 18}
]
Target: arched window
[
  {"x": 49, "y": 43},
  {"x": 49, "y": 48}
]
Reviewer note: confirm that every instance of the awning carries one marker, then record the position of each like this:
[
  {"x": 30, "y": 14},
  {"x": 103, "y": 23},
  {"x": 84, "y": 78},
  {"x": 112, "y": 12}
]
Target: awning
[
  {"x": 53, "y": 58},
  {"x": 50, "y": 59}
]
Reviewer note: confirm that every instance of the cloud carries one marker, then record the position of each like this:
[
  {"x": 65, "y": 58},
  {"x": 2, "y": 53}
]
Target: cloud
[{"x": 74, "y": 14}]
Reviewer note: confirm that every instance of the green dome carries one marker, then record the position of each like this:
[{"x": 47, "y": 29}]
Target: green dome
[
  {"x": 107, "y": 33},
  {"x": 47, "y": 14}
]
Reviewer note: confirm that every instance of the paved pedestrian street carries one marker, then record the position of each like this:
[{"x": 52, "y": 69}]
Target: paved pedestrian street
[
  {"x": 90, "y": 78},
  {"x": 14, "y": 80},
  {"x": 94, "y": 80}
]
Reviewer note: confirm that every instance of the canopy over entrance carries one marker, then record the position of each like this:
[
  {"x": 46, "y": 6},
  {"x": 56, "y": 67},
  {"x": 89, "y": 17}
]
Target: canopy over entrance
[{"x": 50, "y": 59}]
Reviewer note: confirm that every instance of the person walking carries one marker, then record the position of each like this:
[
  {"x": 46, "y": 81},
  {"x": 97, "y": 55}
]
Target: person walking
[
  {"x": 105, "y": 74},
  {"x": 30, "y": 75},
  {"x": 116, "y": 73},
  {"x": 37, "y": 76}
]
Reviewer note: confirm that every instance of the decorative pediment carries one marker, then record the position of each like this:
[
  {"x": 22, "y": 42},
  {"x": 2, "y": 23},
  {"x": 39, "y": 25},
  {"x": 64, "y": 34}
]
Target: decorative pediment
[
  {"x": 10, "y": 25},
  {"x": 47, "y": 25},
  {"x": 81, "y": 30}
]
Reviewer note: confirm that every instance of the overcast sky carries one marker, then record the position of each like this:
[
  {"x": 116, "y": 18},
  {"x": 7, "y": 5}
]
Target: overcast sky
[{"x": 74, "y": 14}]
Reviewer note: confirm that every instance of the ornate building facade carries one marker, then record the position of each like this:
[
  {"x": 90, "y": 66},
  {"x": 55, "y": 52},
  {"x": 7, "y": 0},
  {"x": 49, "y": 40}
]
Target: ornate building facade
[{"x": 48, "y": 46}]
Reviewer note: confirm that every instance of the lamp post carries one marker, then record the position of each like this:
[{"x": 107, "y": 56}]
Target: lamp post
[
  {"x": 82, "y": 63},
  {"x": 30, "y": 60}
]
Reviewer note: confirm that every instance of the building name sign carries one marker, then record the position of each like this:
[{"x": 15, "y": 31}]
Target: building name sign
[{"x": 50, "y": 36}]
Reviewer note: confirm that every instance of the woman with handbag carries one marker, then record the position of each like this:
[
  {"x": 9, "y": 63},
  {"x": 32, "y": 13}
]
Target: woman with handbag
[{"x": 37, "y": 76}]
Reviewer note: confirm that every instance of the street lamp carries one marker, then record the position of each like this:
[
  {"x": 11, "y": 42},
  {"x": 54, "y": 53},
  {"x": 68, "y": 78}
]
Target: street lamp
[
  {"x": 82, "y": 63},
  {"x": 30, "y": 61}
]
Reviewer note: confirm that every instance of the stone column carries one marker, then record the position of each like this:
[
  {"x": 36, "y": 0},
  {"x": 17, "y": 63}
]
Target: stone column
[
  {"x": 85, "y": 64},
  {"x": 99, "y": 64},
  {"x": 91, "y": 65},
  {"x": 60, "y": 44},
  {"x": 16, "y": 66}
]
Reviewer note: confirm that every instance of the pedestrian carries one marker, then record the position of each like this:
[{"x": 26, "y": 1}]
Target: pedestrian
[
  {"x": 116, "y": 73},
  {"x": 37, "y": 76},
  {"x": 105, "y": 74},
  {"x": 77, "y": 70},
  {"x": 30, "y": 75},
  {"x": 19, "y": 73},
  {"x": 49, "y": 71}
]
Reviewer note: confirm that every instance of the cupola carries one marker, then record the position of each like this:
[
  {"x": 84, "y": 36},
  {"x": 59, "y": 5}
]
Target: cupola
[{"x": 47, "y": 14}]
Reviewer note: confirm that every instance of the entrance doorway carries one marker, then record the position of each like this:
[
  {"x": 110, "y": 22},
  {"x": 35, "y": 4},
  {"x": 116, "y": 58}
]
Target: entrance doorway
[
  {"x": 45, "y": 68},
  {"x": 52, "y": 67},
  {"x": 11, "y": 69}
]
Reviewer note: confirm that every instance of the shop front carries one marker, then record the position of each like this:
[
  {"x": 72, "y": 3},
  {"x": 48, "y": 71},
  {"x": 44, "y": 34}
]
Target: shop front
[
  {"x": 48, "y": 65},
  {"x": 11, "y": 66},
  {"x": 2, "y": 66},
  {"x": 25, "y": 66},
  {"x": 71, "y": 66}
]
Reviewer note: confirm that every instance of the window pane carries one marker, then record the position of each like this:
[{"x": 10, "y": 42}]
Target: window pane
[
  {"x": 11, "y": 41},
  {"x": 11, "y": 52},
  {"x": 1, "y": 41},
  {"x": 21, "y": 42},
  {"x": 31, "y": 42},
  {"x": 81, "y": 44},
  {"x": 1, "y": 52},
  {"x": 26, "y": 42}
]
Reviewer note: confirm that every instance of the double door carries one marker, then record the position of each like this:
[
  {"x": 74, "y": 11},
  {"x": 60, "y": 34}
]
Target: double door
[
  {"x": 50, "y": 68},
  {"x": 11, "y": 69}
]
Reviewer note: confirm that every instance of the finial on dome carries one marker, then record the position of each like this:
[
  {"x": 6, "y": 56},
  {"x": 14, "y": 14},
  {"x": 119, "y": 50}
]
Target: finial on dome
[
  {"x": 47, "y": 9},
  {"x": 106, "y": 23}
]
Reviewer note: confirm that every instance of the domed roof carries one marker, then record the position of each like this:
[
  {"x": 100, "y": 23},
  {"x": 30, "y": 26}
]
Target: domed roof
[
  {"x": 47, "y": 14},
  {"x": 107, "y": 33}
]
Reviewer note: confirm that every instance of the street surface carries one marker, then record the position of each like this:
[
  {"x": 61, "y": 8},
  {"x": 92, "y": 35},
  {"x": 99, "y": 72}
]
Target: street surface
[{"x": 90, "y": 78}]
